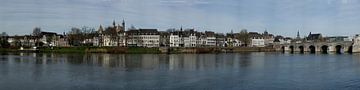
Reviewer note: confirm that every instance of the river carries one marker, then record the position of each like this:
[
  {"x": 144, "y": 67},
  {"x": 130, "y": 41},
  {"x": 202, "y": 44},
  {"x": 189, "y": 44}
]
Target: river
[{"x": 225, "y": 71}]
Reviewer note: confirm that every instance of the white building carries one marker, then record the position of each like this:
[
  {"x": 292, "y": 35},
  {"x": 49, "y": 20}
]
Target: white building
[
  {"x": 268, "y": 38},
  {"x": 175, "y": 40},
  {"x": 235, "y": 42},
  {"x": 143, "y": 38},
  {"x": 190, "y": 40},
  {"x": 210, "y": 39},
  {"x": 187, "y": 38},
  {"x": 257, "y": 40},
  {"x": 231, "y": 41}
]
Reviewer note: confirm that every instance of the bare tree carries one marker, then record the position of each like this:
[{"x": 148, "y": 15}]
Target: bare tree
[
  {"x": 244, "y": 37},
  {"x": 111, "y": 31},
  {"x": 3, "y": 40},
  {"x": 74, "y": 36},
  {"x": 77, "y": 35}
]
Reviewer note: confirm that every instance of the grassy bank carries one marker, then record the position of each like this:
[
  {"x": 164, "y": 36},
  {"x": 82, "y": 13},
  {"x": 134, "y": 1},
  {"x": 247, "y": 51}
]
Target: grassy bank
[{"x": 7, "y": 50}]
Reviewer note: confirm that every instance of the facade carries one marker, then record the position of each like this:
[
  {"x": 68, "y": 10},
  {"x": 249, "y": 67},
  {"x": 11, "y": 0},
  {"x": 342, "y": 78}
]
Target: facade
[
  {"x": 175, "y": 40},
  {"x": 232, "y": 41},
  {"x": 187, "y": 38},
  {"x": 281, "y": 40},
  {"x": 257, "y": 40},
  {"x": 268, "y": 38},
  {"x": 191, "y": 40},
  {"x": 337, "y": 38},
  {"x": 116, "y": 36},
  {"x": 143, "y": 38},
  {"x": 220, "y": 40},
  {"x": 314, "y": 37},
  {"x": 210, "y": 39},
  {"x": 43, "y": 39}
]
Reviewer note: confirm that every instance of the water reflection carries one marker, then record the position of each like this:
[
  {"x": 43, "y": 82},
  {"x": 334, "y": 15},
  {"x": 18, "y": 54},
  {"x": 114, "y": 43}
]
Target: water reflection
[
  {"x": 251, "y": 71},
  {"x": 139, "y": 61}
]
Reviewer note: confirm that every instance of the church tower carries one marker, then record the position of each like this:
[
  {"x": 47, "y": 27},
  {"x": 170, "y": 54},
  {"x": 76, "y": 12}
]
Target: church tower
[
  {"x": 114, "y": 23},
  {"x": 123, "y": 25},
  {"x": 100, "y": 30},
  {"x": 298, "y": 35}
]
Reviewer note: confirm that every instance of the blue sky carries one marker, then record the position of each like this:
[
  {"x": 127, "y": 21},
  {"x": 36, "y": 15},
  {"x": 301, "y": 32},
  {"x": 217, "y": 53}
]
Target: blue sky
[{"x": 285, "y": 17}]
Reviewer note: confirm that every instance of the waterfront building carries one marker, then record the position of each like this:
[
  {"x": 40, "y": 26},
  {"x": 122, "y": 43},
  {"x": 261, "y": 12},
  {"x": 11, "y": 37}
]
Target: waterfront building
[
  {"x": 175, "y": 39},
  {"x": 187, "y": 38},
  {"x": 314, "y": 37},
  {"x": 257, "y": 40},
  {"x": 268, "y": 38},
  {"x": 282, "y": 40},
  {"x": 191, "y": 38},
  {"x": 220, "y": 40},
  {"x": 47, "y": 38},
  {"x": 210, "y": 39},
  {"x": 337, "y": 38},
  {"x": 43, "y": 39},
  {"x": 112, "y": 36},
  {"x": 232, "y": 41},
  {"x": 143, "y": 38}
]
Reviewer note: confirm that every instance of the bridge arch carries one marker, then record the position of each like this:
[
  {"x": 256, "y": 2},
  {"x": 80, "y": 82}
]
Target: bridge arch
[
  {"x": 350, "y": 49},
  {"x": 292, "y": 49},
  {"x": 301, "y": 48},
  {"x": 338, "y": 49},
  {"x": 312, "y": 49},
  {"x": 324, "y": 49}
]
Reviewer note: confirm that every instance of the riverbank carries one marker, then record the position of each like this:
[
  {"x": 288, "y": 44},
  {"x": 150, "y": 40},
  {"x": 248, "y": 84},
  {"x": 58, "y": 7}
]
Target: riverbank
[{"x": 143, "y": 50}]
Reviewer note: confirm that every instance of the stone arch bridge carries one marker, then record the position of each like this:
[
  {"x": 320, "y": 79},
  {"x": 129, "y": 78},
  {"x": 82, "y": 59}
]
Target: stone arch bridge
[{"x": 313, "y": 47}]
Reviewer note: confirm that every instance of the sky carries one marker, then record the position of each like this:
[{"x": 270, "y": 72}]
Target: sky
[{"x": 280, "y": 17}]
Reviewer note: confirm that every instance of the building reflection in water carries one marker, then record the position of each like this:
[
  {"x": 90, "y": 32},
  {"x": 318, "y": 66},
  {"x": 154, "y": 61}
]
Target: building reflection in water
[{"x": 143, "y": 61}]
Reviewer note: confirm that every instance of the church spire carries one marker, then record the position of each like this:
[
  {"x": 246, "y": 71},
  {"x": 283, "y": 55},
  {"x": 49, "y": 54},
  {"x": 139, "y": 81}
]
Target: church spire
[
  {"x": 100, "y": 30},
  {"x": 123, "y": 25},
  {"x": 266, "y": 32},
  {"x": 298, "y": 34},
  {"x": 114, "y": 24},
  {"x": 181, "y": 29}
]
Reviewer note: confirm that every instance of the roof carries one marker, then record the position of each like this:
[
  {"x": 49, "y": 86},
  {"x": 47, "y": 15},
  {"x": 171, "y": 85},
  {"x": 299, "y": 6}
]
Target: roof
[
  {"x": 143, "y": 32},
  {"x": 210, "y": 34},
  {"x": 254, "y": 34},
  {"x": 314, "y": 36}
]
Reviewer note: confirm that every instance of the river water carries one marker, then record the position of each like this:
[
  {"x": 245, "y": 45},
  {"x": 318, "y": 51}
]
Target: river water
[{"x": 231, "y": 71}]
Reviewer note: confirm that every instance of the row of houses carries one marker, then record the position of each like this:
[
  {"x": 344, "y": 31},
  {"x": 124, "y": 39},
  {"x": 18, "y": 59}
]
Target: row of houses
[
  {"x": 43, "y": 39},
  {"x": 117, "y": 36},
  {"x": 174, "y": 38}
]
